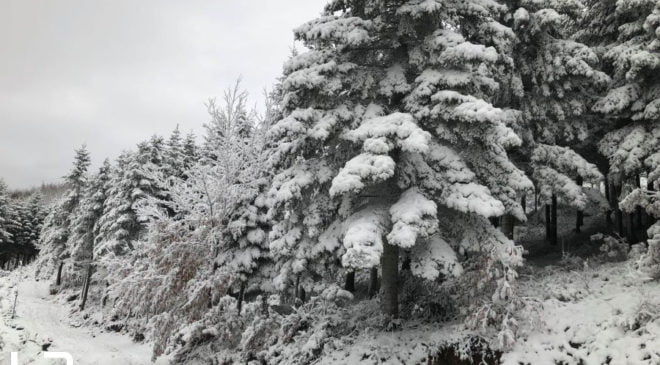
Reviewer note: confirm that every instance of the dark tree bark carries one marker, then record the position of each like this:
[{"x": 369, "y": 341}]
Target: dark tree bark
[
  {"x": 632, "y": 239},
  {"x": 373, "y": 282},
  {"x": 548, "y": 223},
  {"x": 59, "y": 274},
  {"x": 523, "y": 203},
  {"x": 554, "y": 220},
  {"x": 85, "y": 291},
  {"x": 580, "y": 215},
  {"x": 618, "y": 214},
  {"x": 536, "y": 200},
  {"x": 619, "y": 223},
  {"x": 638, "y": 210},
  {"x": 650, "y": 220},
  {"x": 241, "y": 295},
  {"x": 303, "y": 294},
  {"x": 553, "y": 226},
  {"x": 405, "y": 265},
  {"x": 608, "y": 214},
  {"x": 350, "y": 281},
  {"x": 508, "y": 222},
  {"x": 390, "y": 285},
  {"x": 264, "y": 305}
]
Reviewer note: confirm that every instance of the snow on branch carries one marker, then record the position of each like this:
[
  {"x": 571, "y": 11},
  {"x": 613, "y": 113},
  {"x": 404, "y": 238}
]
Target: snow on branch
[{"x": 413, "y": 216}]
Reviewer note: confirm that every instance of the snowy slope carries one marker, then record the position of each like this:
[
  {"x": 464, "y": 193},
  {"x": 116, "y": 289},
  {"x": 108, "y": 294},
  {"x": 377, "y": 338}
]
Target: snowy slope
[
  {"x": 40, "y": 320},
  {"x": 586, "y": 314},
  {"x": 606, "y": 314}
]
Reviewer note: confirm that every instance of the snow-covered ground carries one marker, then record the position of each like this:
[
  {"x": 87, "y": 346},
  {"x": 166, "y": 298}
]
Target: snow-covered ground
[
  {"x": 40, "y": 320},
  {"x": 608, "y": 314},
  {"x": 581, "y": 313}
]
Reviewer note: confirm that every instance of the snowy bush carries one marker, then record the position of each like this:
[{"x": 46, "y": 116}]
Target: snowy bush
[
  {"x": 649, "y": 262},
  {"x": 614, "y": 249},
  {"x": 264, "y": 335},
  {"x": 571, "y": 262}
]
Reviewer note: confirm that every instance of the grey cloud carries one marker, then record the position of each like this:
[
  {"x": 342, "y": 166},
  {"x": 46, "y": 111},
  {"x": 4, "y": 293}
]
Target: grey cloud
[{"x": 110, "y": 73}]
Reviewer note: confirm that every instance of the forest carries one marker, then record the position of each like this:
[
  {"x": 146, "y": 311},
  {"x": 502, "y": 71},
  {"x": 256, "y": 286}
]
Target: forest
[{"x": 428, "y": 182}]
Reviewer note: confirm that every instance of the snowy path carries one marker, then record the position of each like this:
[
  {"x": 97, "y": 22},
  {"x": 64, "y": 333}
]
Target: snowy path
[{"x": 41, "y": 320}]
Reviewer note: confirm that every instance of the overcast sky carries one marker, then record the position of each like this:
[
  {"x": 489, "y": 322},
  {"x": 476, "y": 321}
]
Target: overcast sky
[{"x": 110, "y": 73}]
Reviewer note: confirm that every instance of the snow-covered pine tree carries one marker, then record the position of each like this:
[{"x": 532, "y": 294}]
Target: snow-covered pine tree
[
  {"x": 389, "y": 143},
  {"x": 5, "y": 236},
  {"x": 25, "y": 217},
  {"x": 553, "y": 80},
  {"x": 174, "y": 155},
  {"x": 84, "y": 224},
  {"x": 19, "y": 227},
  {"x": 190, "y": 151},
  {"x": 631, "y": 56},
  {"x": 205, "y": 238},
  {"x": 229, "y": 118},
  {"x": 57, "y": 226},
  {"x": 118, "y": 225},
  {"x": 36, "y": 213},
  {"x": 11, "y": 229},
  {"x": 137, "y": 176},
  {"x": 555, "y": 171}
]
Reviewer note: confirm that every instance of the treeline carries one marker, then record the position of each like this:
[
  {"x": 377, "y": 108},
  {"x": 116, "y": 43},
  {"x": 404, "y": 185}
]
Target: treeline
[
  {"x": 388, "y": 154},
  {"x": 49, "y": 192},
  {"x": 21, "y": 219}
]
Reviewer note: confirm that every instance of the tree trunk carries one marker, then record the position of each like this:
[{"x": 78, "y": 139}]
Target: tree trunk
[
  {"x": 405, "y": 265},
  {"x": 608, "y": 214},
  {"x": 554, "y": 220},
  {"x": 264, "y": 305},
  {"x": 350, "y": 281},
  {"x": 537, "y": 197},
  {"x": 650, "y": 220},
  {"x": 88, "y": 278},
  {"x": 632, "y": 239},
  {"x": 523, "y": 203},
  {"x": 390, "y": 285},
  {"x": 580, "y": 215},
  {"x": 373, "y": 282},
  {"x": 619, "y": 222},
  {"x": 638, "y": 209},
  {"x": 59, "y": 274},
  {"x": 508, "y": 222},
  {"x": 548, "y": 223},
  {"x": 303, "y": 294},
  {"x": 241, "y": 295},
  {"x": 618, "y": 214}
]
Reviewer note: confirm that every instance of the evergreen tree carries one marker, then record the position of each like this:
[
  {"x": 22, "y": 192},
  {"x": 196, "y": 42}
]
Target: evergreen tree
[
  {"x": 554, "y": 78},
  {"x": 390, "y": 143},
  {"x": 230, "y": 119},
  {"x": 57, "y": 226},
  {"x": 204, "y": 234},
  {"x": 118, "y": 225},
  {"x": 5, "y": 236},
  {"x": 85, "y": 222},
  {"x": 190, "y": 151},
  {"x": 37, "y": 212},
  {"x": 174, "y": 159},
  {"x": 626, "y": 33}
]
